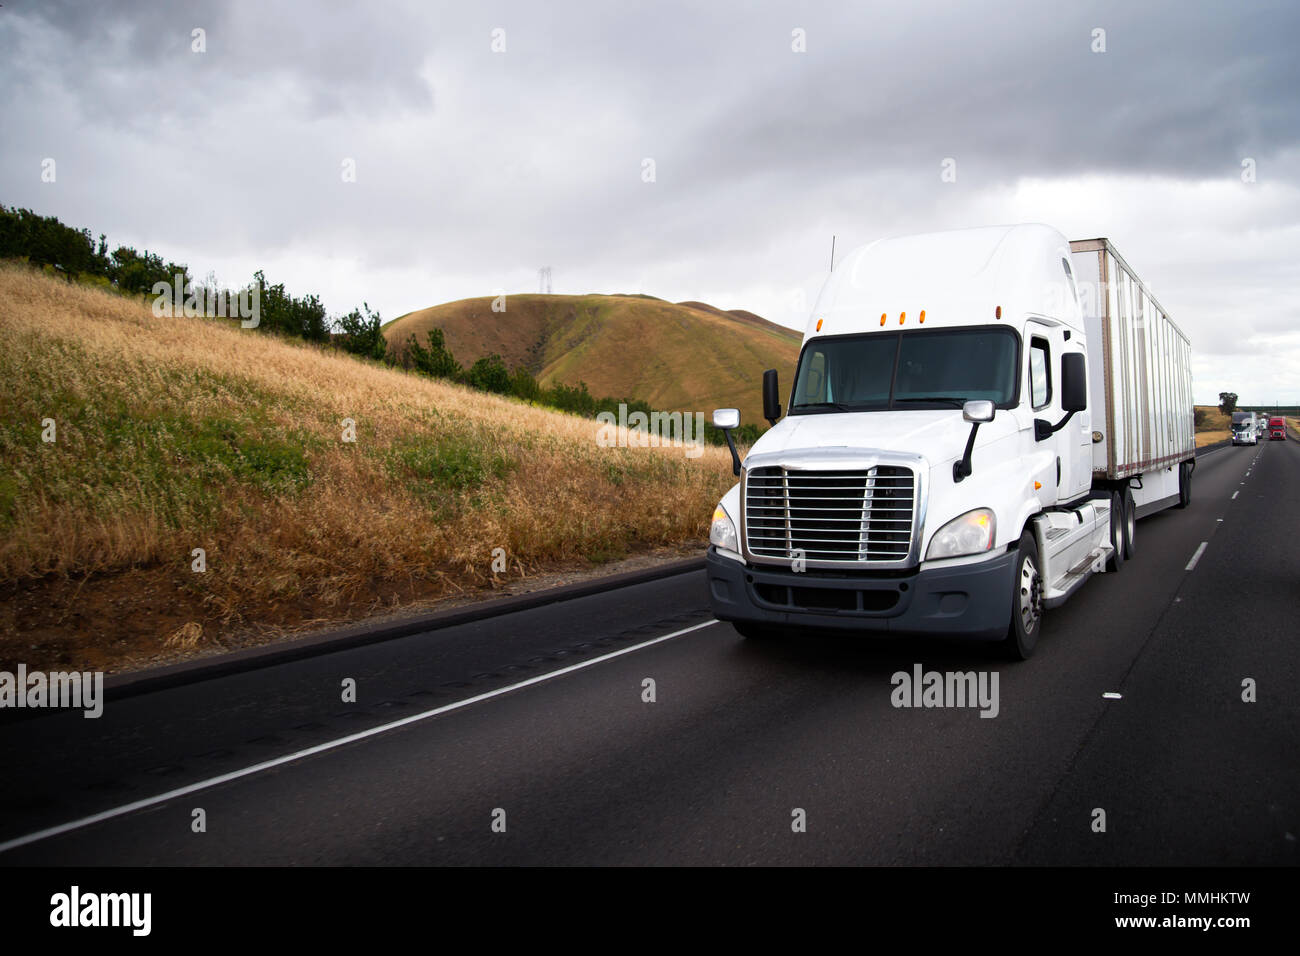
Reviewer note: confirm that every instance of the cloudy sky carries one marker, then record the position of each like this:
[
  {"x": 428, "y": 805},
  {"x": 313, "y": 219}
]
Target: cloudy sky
[{"x": 490, "y": 139}]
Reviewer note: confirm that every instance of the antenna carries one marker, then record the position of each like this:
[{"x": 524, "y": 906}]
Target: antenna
[{"x": 832, "y": 253}]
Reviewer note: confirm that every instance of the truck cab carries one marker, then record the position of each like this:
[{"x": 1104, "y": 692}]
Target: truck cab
[
  {"x": 1244, "y": 430},
  {"x": 934, "y": 472},
  {"x": 1277, "y": 428}
]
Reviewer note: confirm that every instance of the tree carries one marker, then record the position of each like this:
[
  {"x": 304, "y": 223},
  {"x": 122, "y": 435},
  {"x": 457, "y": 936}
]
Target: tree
[
  {"x": 280, "y": 312},
  {"x": 360, "y": 334},
  {"x": 569, "y": 398},
  {"x": 139, "y": 272},
  {"x": 524, "y": 385},
  {"x": 434, "y": 360},
  {"x": 489, "y": 374},
  {"x": 1227, "y": 402}
]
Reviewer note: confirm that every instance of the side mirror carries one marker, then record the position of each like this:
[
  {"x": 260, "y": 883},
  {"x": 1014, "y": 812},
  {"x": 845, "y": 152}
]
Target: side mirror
[
  {"x": 771, "y": 397},
  {"x": 725, "y": 418},
  {"x": 978, "y": 411},
  {"x": 1074, "y": 382}
]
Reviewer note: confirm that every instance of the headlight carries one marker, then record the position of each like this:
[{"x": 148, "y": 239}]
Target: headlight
[
  {"x": 971, "y": 533},
  {"x": 723, "y": 532}
]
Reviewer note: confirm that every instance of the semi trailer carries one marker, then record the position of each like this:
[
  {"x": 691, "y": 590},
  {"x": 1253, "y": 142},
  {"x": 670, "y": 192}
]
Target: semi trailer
[{"x": 978, "y": 419}]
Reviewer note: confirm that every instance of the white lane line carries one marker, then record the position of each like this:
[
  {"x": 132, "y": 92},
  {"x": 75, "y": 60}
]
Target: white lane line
[
  {"x": 330, "y": 745},
  {"x": 1190, "y": 564},
  {"x": 1111, "y": 695},
  {"x": 1234, "y": 495}
]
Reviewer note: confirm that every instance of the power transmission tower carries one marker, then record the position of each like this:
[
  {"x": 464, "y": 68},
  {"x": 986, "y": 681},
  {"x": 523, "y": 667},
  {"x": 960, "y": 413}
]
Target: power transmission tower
[{"x": 544, "y": 280}]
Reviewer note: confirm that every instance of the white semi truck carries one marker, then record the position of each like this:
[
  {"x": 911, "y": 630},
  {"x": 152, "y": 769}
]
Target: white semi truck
[
  {"x": 977, "y": 421},
  {"x": 1245, "y": 428}
]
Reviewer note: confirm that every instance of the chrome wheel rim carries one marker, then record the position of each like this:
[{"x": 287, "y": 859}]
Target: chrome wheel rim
[{"x": 1031, "y": 595}]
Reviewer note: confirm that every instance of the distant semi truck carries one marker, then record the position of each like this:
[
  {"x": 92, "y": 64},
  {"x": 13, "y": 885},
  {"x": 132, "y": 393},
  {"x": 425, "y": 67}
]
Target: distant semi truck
[
  {"x": 977, "y": 421},
  {"x": 1277, "y": 428},
  {"x": 1244, "y": 428}
]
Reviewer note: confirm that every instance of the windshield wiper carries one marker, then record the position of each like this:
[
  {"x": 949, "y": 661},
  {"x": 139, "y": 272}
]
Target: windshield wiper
[
  {"x": 838, "y": 406},
  {"x": 939, "y": 399}
]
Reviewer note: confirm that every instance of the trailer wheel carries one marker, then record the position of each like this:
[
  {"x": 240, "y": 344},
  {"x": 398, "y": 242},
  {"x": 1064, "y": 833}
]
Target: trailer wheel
[
  {"x": 1130, "y": 524},
  {"x": 1026, "y": 602},
  {"x": 1184, "y": 485},
  {"x": 1116, "y": 560}
]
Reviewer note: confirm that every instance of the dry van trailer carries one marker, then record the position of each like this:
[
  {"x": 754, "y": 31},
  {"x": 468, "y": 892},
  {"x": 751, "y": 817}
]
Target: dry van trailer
[{"x": 1140, "y": 379}]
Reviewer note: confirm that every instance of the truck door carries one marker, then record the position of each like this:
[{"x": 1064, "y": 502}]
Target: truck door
[
  {"x": 1070, "y": 473},
  {"x": 1076, "y": 477}
]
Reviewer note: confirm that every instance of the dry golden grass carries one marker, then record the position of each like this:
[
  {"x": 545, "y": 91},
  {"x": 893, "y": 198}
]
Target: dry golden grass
[
  {"x": 1214, "y": 426},
  {"x": 175, "y": 434}
]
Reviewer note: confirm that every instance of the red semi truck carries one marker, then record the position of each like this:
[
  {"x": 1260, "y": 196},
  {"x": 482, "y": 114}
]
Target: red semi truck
[{"x": 1276, "y": 429}]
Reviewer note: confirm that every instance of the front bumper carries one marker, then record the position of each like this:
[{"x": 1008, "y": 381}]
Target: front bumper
[{"x": 972, "y": 601}]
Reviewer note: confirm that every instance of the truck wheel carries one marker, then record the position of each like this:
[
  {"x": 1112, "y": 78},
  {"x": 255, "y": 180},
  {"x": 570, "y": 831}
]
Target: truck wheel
[
  {"x": 1116, "y": 560},
  {"x": 1130, "y": 524},
  {"x": 1026, "y": 602},
  {"x": 1184, "y": 485}
]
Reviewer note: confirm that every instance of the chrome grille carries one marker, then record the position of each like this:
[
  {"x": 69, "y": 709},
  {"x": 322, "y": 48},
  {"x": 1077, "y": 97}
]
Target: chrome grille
[{"x": 856, "y": 516}]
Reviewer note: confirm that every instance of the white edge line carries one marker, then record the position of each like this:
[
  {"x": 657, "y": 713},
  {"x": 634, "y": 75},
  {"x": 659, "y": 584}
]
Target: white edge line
[
  {"x": 1190, "y": 564},
  {"x": 329, "y": 745}
]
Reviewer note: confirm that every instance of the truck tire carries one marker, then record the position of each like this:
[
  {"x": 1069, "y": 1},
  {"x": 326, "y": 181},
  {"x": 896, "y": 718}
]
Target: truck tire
[
  {"x": 1130, "y": 524},
  {"x": 1026, "y": 602},
  {"x": 1116, "y": 560},
  {"x": 1184, "y": 485}
]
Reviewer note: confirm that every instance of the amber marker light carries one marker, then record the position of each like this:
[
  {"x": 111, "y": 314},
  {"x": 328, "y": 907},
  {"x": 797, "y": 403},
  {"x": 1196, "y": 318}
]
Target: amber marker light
[
  {"x": 882, "y": 318},
  {"x": 923, "y": 316},
  {"x": 997, "y": 313},
  {"x": 901, "y": 317},
  {"x": 819, "y": 325}
]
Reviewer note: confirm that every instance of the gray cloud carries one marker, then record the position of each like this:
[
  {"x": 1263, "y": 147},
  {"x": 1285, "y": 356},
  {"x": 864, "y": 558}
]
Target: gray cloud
[{"x": 474, "y": 168}]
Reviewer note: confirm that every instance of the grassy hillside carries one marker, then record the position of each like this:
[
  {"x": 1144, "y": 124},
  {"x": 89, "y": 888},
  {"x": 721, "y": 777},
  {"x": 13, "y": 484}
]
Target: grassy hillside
[
  {"x": 686, "y": 356},
  {"x": 177, "y": 434}
]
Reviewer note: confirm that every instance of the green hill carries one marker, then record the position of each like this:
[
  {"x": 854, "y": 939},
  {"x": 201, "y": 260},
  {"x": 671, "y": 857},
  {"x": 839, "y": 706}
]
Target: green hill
[{"x": 677, "y": 356}]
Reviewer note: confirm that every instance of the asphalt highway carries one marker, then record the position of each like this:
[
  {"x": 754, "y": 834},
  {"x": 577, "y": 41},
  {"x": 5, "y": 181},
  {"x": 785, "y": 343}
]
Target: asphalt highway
[{"x": 783, "y": 751}]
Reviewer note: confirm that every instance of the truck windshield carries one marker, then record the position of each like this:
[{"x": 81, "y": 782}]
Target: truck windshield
[{"x": 921, "y": 369}]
